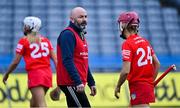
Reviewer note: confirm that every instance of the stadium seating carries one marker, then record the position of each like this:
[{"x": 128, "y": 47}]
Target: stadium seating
[{"x": 160, "y": 25}]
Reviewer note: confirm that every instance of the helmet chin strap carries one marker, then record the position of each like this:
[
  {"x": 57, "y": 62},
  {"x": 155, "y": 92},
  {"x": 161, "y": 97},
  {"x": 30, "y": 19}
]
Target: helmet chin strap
[
  {"x": 122, "y": 35},
  {"x": 28, "y": 31}
]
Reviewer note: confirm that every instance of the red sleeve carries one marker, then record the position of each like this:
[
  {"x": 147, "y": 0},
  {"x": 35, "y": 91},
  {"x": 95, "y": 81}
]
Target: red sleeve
[
  {"x": 126, "y": 52},
  {"x": 20, "y": 47}
]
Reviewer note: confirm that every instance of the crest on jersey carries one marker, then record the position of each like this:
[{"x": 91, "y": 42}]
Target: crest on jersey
[{"x": 133, "y": 96}]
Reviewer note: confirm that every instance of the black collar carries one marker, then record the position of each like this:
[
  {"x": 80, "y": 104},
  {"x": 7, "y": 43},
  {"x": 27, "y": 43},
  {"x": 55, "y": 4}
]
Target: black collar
[
  {"x": 72, "y": 25},
  {"x": 78, "y": 30}
]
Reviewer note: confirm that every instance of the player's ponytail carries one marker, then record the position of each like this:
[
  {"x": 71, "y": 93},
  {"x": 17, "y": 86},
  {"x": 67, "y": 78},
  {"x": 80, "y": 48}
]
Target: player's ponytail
[{"x": 33, "y": 38}]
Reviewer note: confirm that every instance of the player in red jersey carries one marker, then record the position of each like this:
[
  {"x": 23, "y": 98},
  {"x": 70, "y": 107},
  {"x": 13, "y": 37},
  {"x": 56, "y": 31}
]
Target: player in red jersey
[
  {"x": 140, "y": 64},
  {"x": 36, "y": 51}
]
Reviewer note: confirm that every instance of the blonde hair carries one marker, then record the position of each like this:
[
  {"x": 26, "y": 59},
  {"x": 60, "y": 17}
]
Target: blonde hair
[{"x": 33, "y": 38}]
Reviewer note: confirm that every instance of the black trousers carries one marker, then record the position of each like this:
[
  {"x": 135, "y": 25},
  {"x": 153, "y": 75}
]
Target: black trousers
[{"x": 75, "y": 99}]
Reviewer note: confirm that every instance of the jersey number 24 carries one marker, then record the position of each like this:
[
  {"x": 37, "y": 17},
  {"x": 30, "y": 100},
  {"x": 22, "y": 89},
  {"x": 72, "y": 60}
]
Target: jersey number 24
[{"x": 143, "y": 59}]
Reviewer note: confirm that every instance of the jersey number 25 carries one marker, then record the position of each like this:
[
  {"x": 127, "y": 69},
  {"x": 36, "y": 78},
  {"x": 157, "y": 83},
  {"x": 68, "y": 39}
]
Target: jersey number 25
[
  {"x": 143, "y": 60},
  {"x": 43, "y": 46}
]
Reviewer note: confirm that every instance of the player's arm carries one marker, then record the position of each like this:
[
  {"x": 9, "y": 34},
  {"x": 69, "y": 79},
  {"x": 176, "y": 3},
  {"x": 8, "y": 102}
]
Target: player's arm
[
  {"x": 90, "y": 79},
  {"x": 127, "y": 58},
  {"x": 55, "y": 93},
  {"x": 91, "y": 83},
  {"x": 156, "y": 64},
  {"x": 124, "y": 73},
  {"x": 52, "y": 53},
  {"x": 12, "y": 66},
  {"x": 53, "y": 57}
]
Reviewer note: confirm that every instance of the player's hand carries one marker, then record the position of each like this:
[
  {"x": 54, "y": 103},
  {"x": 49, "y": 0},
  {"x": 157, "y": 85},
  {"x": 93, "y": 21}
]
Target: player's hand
[
  {"x": 5, "y": 77},
  {"x": 93, "y": 90},
  {"x": 80, "y": 88},
  {"x": 55, "y": 94},
  {"x": 117, "y": 91}
]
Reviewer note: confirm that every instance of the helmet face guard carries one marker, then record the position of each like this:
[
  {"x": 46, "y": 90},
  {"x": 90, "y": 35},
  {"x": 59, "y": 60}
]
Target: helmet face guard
[
  {"x": 121, "y": 29},
  {"x": 120, "y": 26}
]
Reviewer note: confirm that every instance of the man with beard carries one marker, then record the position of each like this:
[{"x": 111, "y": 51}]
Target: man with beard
[{"x": 73, "y": 70}]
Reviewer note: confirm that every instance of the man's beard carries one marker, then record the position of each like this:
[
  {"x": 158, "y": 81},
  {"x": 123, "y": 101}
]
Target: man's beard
[{"x": 81, "y": 26}]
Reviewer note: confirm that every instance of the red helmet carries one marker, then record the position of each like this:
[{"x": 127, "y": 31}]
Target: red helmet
[{"x": 129, "y": 18}]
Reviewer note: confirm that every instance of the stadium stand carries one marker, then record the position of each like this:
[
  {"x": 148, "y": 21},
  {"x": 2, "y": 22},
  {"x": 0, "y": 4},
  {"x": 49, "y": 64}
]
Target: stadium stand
[{"x": 159, "y": 24}]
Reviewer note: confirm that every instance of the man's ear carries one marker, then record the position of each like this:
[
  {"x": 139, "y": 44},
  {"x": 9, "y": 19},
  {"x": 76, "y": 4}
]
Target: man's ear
[{"x": 72, "y": 19}]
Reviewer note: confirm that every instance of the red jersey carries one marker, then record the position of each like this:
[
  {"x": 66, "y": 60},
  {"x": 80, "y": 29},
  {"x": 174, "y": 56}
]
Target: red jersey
[
  {"x": 139, "y": 52},
  {"x": 36, "y": 55},
  {"x": 80, "y": 60}
]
